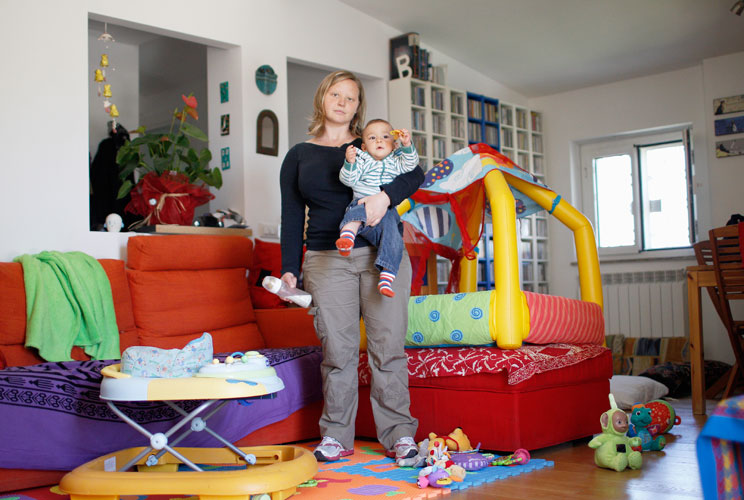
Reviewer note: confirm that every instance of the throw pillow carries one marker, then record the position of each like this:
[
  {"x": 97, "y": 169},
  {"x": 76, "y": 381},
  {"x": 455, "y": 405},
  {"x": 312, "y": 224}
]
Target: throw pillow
[
  {"x": 267, "y": 261},
  {"x": 631, "y": 389}
]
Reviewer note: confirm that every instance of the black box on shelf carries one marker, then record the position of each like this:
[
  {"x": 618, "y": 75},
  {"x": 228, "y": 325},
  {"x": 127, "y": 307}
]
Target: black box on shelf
[{"x": 404, "y": 45}]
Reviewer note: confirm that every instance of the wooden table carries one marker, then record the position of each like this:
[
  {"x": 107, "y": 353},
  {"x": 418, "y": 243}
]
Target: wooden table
[{"x": 697, "y": 278}]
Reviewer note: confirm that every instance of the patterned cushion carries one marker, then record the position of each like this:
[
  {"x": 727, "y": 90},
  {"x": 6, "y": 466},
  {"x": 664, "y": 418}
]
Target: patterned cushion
[{"x": 146, "y": 361}]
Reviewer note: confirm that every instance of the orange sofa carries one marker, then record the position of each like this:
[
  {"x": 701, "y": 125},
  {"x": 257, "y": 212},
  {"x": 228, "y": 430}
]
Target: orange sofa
[
  {"x": 170, "y": 290},
  {"x": 173, "y": 288}
]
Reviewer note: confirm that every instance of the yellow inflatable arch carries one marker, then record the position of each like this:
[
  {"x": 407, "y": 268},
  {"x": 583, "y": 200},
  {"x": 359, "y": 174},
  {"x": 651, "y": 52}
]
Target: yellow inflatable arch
[{"x": 510, "y": 318}]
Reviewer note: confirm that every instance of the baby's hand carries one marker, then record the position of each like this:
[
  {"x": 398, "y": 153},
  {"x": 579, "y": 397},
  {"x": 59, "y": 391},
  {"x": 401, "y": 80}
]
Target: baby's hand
[
  {"x": 351, "y": 154},
  {"x": 405, "y": 137}
]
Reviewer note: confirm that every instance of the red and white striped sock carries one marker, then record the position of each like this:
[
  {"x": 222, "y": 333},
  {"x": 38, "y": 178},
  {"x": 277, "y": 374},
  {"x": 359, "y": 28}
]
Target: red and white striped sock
[
  {"x": 385, "y": 285},
  {"x": 346, "y": 242}
]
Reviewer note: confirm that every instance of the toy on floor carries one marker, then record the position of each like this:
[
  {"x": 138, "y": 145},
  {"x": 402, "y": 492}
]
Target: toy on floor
[
  {"x": 640, "y": 420},
  {"x": 663, "y": 417},
  {"x": 471, "y": 460},
  {"x": 519, "y": 457},
  {"x": 440, "y": 470},
  {"x": 613, "y": 449},
  {"x": 455, "y": 440}
]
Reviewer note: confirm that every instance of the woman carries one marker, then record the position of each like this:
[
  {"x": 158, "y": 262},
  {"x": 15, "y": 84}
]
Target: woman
[{"x": 343, "y": 287}]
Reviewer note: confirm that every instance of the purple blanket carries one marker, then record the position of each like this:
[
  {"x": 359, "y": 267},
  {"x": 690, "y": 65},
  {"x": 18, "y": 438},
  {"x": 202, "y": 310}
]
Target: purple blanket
[{"x": 52, "y": 417}]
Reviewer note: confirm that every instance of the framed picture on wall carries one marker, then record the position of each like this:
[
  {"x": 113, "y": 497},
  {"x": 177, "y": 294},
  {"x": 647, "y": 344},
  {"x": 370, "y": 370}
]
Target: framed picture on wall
[
  {"x": 267, "y": 133},
  {"x": 726, "y": 105},
  {"x": 225, "y": 125},
  {"x": 728, "y": 126},
  {"x": 733, "y": 147}
]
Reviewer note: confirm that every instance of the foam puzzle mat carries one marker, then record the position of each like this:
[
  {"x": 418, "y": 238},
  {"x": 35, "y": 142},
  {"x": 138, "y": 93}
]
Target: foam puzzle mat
[{"x": 366, "y": 474}]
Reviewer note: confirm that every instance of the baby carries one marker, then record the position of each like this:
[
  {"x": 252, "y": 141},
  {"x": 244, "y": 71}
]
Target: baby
[{"x": 365, "y": 170}]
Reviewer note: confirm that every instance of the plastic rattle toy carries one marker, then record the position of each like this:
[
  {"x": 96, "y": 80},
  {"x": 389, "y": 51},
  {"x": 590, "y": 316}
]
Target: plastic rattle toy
[{"x": 519, "y": 457}]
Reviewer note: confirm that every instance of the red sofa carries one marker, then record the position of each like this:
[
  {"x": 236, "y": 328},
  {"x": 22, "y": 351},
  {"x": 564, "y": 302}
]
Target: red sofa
[{"x": 165, "y": 272}]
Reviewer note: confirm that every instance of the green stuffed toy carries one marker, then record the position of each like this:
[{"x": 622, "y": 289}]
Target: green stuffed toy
[{"x": 613, "y": 449}]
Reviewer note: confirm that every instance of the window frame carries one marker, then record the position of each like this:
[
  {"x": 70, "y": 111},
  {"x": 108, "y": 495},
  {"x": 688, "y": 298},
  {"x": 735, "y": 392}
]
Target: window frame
[{"x": 630, "y": 144}]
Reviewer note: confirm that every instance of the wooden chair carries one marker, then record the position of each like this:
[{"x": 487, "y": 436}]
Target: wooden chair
[
  {"x": 704, "y": 256},
  {"x": 729, "y": 272}
]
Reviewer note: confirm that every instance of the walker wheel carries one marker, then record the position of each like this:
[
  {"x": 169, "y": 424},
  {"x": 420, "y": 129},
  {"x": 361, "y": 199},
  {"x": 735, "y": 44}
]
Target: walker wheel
[{"x": 158, "y": 441}]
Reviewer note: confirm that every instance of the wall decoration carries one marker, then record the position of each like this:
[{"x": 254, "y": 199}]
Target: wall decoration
[
  {"x": 224, "y": 92},
  {"x": 266, "y": 79},
  {"x": 267, "y": 133},
  {"x": 225, "y": 158},
  {"x": 734, "y": 147},
  {"x": 99, "y": 76},
  {"x": 727, "y": 126},
  {"x": 225, "y": 124},
  {"x": 726, "y": 105}
]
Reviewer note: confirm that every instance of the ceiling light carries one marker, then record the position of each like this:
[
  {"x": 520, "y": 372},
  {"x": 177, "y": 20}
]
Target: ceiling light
[{"x": 738, "y": 7}]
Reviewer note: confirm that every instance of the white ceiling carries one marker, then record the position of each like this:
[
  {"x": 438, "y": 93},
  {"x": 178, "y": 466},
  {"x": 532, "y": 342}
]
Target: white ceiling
[{"x": 542, "y": 47}]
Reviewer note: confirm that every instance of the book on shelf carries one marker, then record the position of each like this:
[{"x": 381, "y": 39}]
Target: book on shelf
[
  {"x": 418, "y": 120},
  {"x": 492, "y": 135},
  {"x": 456, "y": 103},
  {"x": 418, "y": 95},
  {"x": 438, "y": 124},
  {"x": 458, "y": 127},
  {"x": 404, "y": 45},
  {"x": 474, "y": 109},
  {"x": 492, "y": 112},
  {"x": 536, "y": 122},
  {"x": 439, "y": 74},
  {"x": 437, "y": 99}
]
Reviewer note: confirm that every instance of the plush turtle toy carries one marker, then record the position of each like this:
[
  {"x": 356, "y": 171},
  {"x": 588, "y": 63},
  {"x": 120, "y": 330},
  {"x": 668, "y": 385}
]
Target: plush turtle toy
[
  {"x": 640, "y": 419},
  {"x": 613, "y": 449}
]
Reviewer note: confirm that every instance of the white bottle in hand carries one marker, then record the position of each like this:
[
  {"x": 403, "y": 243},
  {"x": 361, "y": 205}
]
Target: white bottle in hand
[{"x": 277, "y": 286}]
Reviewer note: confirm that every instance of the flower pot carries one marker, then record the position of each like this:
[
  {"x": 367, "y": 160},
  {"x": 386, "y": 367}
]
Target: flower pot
[{"x": 168, "y": 198}]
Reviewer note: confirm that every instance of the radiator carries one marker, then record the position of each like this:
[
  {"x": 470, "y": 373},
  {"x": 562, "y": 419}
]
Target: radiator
[{"x": 646, "y": 303}]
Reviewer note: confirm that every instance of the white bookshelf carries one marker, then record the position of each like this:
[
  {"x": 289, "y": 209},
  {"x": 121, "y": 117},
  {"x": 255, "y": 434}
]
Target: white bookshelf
[
  {"x": 434, "y": 113},
  {"x": 522, "y": 142}
]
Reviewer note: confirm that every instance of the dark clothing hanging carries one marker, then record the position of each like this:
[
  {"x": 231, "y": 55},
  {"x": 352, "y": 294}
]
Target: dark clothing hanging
[{"x": 105, "y": 182}]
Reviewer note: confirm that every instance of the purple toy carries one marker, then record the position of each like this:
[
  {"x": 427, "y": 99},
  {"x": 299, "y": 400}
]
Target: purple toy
[
  {"x": 470, "y": 461},
  {"x": 437, "y": 478}
]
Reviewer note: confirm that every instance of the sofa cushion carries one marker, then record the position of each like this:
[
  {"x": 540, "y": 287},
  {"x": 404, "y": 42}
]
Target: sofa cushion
[
  {"x": 267, "y": 261},
  {"x": 12, "y": 304},
  {"x": 192, "y": 252},
  {"x": 241, "y": 338},
  {"x": 178, "y": 303}
]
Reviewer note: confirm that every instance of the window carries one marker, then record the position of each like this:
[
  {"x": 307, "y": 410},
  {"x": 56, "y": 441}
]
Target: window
[{"x": 638, "y": 192}]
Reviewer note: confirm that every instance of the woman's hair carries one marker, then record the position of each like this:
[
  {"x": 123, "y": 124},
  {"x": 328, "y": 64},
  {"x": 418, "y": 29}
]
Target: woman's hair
[{"x": 317, "y": 121}]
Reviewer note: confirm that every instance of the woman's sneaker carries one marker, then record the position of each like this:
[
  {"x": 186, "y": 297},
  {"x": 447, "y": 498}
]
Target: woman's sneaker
[
  {"x": 330, "y": 450},
  {"x": 405, "y": 447}
]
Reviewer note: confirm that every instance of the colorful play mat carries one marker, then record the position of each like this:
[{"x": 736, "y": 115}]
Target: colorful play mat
[{"x": 366, "y": 474}]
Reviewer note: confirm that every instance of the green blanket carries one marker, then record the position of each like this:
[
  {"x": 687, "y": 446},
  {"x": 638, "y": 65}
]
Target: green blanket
[{"x": 68, "y": 303}]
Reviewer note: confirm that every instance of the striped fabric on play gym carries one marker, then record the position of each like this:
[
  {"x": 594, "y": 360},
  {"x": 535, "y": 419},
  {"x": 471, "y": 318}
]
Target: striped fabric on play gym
[{"x": 559, "y": 319}]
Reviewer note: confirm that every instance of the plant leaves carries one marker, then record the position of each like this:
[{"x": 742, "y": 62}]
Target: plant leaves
[
  {"x": 162, "y": 164},
  {"x": 194, "y": 132},
  {"x": 126, "y": 186}
]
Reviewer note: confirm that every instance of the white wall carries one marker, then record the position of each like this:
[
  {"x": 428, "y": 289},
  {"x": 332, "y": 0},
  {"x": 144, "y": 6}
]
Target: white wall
[
  {"x": 684, "y": 96},
  {"x": 44, "y": 123}
]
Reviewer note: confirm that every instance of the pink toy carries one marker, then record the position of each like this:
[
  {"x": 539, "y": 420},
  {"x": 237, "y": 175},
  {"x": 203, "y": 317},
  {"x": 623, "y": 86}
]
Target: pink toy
[{"x": 519, "y": 457}]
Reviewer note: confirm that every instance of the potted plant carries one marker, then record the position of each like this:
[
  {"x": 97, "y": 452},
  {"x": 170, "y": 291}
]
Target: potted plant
[{"x": 173, "y": 177}]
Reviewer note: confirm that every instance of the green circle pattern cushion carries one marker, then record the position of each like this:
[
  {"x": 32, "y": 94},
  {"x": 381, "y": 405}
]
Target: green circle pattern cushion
[{"x": 450, "y": 319}]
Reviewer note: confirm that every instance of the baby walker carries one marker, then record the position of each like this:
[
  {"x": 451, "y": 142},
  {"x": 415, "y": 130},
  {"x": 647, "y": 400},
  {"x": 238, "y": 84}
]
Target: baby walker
[{"x": 273, "y": 471}]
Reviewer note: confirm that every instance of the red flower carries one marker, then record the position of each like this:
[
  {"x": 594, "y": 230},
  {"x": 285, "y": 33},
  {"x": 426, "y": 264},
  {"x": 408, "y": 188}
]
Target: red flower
[
  {"x": 191, "y": 111},
  {"x": 190, "y": 100}
]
